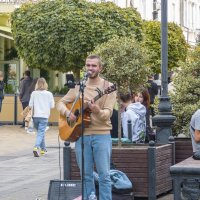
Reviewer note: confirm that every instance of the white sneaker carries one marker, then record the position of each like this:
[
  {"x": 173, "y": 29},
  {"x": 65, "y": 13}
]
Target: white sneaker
[
  {"x": 31, "y": 132},
  {"x": 47, "y": 128}
]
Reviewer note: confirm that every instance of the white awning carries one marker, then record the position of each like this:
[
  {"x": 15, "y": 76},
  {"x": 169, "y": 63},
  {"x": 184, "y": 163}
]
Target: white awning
[
  {"x": 5, "y": 29},
  {"x": 6, "y": 36}
]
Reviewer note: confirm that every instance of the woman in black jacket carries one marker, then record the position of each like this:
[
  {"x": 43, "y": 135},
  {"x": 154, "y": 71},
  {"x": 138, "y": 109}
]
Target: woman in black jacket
[{"x": 1, "y": 89}]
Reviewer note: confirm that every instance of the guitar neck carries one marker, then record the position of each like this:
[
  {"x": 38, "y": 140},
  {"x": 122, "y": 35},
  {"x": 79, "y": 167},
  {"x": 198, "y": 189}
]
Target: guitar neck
[{"x": 98, "y": 96}]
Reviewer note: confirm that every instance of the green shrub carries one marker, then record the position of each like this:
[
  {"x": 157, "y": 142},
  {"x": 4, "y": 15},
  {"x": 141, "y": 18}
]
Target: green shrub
[
  {"x": 63, "y": 90},
  {"x": 186, "y": 99},
  {"x": 9, "y": 89}
]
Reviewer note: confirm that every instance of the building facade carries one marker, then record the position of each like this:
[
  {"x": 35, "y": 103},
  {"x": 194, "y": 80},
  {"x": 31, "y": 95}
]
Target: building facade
[
  {"x": 14, "y": 68},
  {"x": 185, "y": 13}
]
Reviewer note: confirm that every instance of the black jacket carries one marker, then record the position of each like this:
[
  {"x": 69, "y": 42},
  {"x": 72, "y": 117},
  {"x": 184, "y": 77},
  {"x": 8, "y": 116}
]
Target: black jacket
[
  {"x": 153, "y": 90},
  {"x": 1, "y": 89},
  {"x": 24, "y": 94}
]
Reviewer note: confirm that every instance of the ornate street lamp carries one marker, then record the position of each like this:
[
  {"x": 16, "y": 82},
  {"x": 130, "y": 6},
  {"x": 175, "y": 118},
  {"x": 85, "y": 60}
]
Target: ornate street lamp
[{"x": 164, "y": 119}]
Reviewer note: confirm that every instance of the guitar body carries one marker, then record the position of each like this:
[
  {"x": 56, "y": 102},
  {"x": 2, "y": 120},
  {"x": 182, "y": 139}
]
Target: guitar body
[{"x": 71, "y": 131}]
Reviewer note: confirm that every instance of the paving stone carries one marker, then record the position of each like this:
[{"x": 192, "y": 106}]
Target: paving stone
[{"x": 24, "y": 177}]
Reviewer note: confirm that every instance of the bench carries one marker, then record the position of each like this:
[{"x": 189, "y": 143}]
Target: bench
[{"x": 187, "y": 171}]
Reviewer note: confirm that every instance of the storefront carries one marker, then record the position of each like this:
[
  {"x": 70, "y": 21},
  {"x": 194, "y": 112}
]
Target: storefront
[{"x": 9, "y": 63}]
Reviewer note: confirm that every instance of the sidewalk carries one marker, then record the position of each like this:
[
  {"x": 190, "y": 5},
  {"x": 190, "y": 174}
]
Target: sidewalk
[{"x": 24, "y": 177}]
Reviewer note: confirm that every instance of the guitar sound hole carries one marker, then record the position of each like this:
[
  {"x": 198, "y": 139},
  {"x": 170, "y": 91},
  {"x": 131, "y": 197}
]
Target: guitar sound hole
[{"x": 76, "y": 113}]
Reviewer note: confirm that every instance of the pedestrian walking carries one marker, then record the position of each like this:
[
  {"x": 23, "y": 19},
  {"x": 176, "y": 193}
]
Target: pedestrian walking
[
  {"x": 24, "y": 94},
  {"x": 41, "y": 102}
]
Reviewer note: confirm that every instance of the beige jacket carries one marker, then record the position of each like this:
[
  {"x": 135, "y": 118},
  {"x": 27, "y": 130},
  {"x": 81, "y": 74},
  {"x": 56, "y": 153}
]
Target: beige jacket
[{"x": 100, "y": 123}]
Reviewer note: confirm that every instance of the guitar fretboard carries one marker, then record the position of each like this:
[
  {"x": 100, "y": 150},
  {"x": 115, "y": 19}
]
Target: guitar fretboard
[{"x": 98, "y": 96}]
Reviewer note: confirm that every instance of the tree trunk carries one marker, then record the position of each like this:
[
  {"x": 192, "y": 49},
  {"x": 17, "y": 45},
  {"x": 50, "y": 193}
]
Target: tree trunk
[
  {"x": 76, "y": 74},
  {"x": 119, "y": 121}
]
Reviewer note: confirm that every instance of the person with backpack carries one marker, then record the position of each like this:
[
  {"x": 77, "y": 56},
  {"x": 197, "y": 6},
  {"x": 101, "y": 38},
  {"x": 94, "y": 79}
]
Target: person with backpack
[{"x": 134, "y": 113}]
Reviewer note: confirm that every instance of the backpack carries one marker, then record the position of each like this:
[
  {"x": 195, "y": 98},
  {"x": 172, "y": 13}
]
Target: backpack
[{"x": 120, "y": 182}]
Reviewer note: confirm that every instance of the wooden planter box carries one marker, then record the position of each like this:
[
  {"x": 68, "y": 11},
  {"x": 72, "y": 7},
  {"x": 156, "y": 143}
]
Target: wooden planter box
[
  {"x": 183, "y": 149},
  {"x": 147, "y": 167}
]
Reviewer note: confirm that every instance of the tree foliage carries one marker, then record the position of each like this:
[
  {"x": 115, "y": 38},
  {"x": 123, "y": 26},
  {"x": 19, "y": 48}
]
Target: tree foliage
[
  {"x": 186, "y": 99},
  {"x": 125, "y": 65},
  {"x": 59, "y": 34},
  {"x": 124, "y": 62},
  {"x": 177, "y": 46}
]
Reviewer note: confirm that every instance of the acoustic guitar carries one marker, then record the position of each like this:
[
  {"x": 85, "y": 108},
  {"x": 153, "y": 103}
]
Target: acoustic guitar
[{"x": 71, "y": 131}]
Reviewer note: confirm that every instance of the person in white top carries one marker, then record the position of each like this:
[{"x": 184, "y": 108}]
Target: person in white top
[
  {"x": 41, "y": 102},
  {"x": 136, "y": 114}
]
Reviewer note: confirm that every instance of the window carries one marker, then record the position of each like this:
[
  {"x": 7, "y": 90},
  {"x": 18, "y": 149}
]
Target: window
[
  {"x": 192, "y": 15},
  {"x": 185, "y": 13},
  {"x": 143, "y": 8},
  {"x": 198, "y": 26},
  {"x": 173, "y": 12}
]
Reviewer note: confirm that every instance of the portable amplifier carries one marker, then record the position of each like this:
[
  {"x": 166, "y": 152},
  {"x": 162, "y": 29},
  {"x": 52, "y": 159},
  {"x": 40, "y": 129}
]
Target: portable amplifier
[{"x": 64, "y": 189}]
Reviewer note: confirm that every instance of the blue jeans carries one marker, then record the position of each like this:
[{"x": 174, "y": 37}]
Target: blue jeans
[
  {"x": 97, "y": 149},
  {"x": 40, "y": 125}
]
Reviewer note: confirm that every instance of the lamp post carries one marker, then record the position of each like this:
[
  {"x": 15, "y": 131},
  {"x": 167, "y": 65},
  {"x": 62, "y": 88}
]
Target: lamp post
[{"x": 164, "y": 119}]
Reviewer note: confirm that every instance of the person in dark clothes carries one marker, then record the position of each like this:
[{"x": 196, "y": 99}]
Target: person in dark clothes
[
  {"x": 114, "y": 122},
  {"x": 32, "y": 87},
  {"x": 1, "y": 89},
  {"x": 153, "y": 91},
  {"x": 24, "y": 94}
]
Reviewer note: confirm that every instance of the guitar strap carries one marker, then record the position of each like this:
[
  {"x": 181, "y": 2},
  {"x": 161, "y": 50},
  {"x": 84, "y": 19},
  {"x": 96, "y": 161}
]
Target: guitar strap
[{"x": 106, "y": 85}]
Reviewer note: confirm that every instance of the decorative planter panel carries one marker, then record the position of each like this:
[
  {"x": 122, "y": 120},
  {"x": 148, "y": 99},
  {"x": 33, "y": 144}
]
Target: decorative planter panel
[{"x": 146, "y": 166}]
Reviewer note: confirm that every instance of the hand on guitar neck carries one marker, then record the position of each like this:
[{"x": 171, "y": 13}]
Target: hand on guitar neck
[{"x": 93, "y": 107}]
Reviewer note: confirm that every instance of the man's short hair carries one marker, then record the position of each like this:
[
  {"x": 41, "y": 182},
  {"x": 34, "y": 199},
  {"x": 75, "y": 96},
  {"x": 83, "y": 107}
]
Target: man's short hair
[
  {"x": 27, "y": 73},
  {"x": 96, "y": 57}
]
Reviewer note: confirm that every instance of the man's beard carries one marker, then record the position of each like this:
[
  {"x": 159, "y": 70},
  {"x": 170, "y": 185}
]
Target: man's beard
[{"x": 95, "y": 75}]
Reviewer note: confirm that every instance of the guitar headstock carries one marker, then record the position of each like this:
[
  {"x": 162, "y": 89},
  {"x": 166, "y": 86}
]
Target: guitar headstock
[{"x": 110, "y": 89}]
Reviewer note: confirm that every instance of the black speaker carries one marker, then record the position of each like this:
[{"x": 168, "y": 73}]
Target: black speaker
[
  {"x": 129, "y": 196},
  {"x": 64, "y": 189}
]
